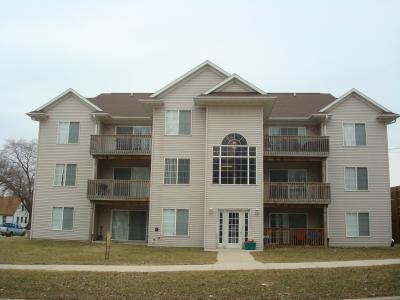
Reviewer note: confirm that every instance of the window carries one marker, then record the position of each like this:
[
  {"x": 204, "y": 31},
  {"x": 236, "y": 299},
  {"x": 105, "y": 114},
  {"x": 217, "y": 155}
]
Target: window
[
  {"x": 17, "y": 220},
  {"x": 357, "y": 224},
  {"x": 26, "y": 219},
  {"x": 62, "y": 218},
  {"x": 175, "y": 222},
  {"x": 178, "y": 122},
  {"x": 287, "y": 131},
  {"x": 68, "y": 132},
  {"x": 65, "y": 175},
  {"x": 234, "y": 162},
  {"x": 356, "y": 179},
  {"x": 177, "y": 171},
  {"x": 354, "y": 134}
]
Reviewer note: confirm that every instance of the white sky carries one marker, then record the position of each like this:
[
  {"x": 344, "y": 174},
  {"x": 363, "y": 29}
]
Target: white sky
[{"x": 124, "y": 46}]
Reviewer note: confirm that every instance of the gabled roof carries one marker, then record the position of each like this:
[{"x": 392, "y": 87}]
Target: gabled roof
[
  {"x": 174, "y": 83},
  {"x": 234, "y": 78},
  {"x": 8, "y": 205},
  {"x": 59, "y": 97},
  {"x": 364, "y": 97}
]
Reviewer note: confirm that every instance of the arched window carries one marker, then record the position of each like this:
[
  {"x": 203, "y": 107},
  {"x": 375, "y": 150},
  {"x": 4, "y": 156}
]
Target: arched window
[{"x": 234, "y": 162}]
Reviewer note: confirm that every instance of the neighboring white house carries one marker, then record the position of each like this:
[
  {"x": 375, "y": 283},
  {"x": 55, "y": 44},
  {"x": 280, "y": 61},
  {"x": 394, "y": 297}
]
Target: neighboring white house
[
  {"x": 12, "y": 211},
  {"x": 212, "y": 161}
]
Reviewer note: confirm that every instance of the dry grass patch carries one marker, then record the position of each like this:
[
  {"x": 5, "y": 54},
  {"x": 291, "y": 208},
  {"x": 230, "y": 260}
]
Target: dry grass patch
[
  {"x": 340, "y": 283},
  {"x": 306, "y": 254},
  {"x": 24, "y": 251}
]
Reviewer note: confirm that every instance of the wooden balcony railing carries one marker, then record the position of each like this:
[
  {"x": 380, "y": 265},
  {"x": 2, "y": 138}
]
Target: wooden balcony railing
[
  {"x": 297, "y": 192},
  {"x": 293, "y": 237},
  {"x": 120, "y": 144},
  {"x": 126, "y": 190},
  {"x": 296, "y": 145}
]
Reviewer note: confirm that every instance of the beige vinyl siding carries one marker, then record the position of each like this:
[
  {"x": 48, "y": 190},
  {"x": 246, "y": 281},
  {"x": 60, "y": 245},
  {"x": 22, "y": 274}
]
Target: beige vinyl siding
[
  {"x": 313, "y": 168},
  {"x": 222, "y": 121},
  {"x": 234, "y": 86},
  {"x": 374, "y": 156},
  {"x": 180, "y": 196},
  {"x": 48, "y": 196}
]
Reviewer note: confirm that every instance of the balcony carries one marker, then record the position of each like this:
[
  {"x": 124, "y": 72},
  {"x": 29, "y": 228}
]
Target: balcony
[
  {"x": 296, "y": 146},
  {"x": 120, "y": 144},
  {"x": 119, "y": 190},
  {"x": 294, "y": 236},
  {"x": 297, "y": 193}
]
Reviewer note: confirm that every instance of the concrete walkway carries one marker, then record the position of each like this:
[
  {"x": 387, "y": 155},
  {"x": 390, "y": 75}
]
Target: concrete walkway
[{"x": 227, "y": 260}]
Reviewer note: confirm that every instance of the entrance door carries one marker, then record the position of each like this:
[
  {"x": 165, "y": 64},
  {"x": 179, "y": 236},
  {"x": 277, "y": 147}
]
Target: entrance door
[
  {"x": 233, "y": 227},
  {"x": 128, "y": 225}
]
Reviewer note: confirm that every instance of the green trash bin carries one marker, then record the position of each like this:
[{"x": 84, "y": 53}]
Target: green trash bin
[{"x": 249, "y": 245}]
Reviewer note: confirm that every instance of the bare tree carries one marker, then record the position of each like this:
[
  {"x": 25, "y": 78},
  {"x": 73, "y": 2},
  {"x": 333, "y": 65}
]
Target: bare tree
[{"x": 17, "y": 171}]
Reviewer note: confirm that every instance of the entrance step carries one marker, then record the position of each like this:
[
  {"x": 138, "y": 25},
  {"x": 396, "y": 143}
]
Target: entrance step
[{"x": 235, "y": 257}]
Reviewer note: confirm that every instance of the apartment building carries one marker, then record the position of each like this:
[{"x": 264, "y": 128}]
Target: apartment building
[{"x": 210, "y": 160}]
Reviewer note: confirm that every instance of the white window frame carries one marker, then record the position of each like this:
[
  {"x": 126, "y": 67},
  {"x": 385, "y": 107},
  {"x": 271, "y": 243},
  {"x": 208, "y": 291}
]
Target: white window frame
[
  {"x": 69, "y": 124},
  {"x": 177, "y": 171},
  {"x": 248, "y": 164},
  {"x": 358, "y": 224},
  {"x": 354, "y": 130},
  {"x": 344, "y": 177},
  {"x": 280, "y": 127},
  {"x": 175, "y": 210},
  {"x": 65, "y": 171},
  {"x": 178, "y": 110},
  {"x": 62, "y": 218}
]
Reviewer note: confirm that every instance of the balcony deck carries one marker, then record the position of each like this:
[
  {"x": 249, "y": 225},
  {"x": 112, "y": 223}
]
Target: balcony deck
[
  {"x": 118, "y": 190},
  {"x": 118, "y": 144},
  {"x": 297, "y": 193},
  {"x": 317, "y": 146},
  {"x": 293, "y": 237}
]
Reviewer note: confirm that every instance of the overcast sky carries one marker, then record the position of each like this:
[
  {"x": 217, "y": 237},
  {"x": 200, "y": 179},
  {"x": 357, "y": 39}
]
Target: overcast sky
[{"x": 124, "y": 46}]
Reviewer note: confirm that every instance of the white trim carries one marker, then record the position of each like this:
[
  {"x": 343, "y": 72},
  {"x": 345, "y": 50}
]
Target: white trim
[
  {"x": 69, "y": 124},
  {"x": 177, "y": 171},
  {"x": 179, "y": 111},
  {"x": 357, "y": 92},
  {"x": 234, "y": 76},
  {"x": 358, "y": 224},
  {"x": 344, "y": 179},
  {"x": 65, "y": 170},
  {"x": 187, "y": 74},
  {"x": 354, "y": 125},
  {"x": 70, "y": 90},
  {"x": 62, "y": 218},
  {"x": 162, "y": 222}
]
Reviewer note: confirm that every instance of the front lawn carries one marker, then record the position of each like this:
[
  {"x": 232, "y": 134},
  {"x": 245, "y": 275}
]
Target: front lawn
[
  {"x": 339, "y": 283},
  {"x": 306, "y": 254},
  {"x": 18, "y": 250}
]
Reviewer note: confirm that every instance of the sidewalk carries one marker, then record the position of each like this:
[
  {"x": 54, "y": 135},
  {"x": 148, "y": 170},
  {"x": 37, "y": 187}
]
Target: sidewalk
[{"x": 227, "y": 260}]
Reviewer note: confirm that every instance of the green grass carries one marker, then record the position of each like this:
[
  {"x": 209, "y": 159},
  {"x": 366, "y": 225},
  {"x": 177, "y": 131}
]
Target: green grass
[
  {"x": 289, "y": 284},
  {"x": 18, "y": 250},
  {"x": 306, "y": 254}
]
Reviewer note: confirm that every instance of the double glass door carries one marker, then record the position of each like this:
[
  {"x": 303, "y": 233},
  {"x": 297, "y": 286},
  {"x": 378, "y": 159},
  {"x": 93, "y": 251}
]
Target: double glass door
[
  {"x": 128, "y": 225},
  {"x": 233, "y": 228}
]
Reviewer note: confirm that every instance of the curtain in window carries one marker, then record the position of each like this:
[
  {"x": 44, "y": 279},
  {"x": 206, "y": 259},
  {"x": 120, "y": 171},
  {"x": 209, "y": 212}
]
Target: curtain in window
[
  {"x": 363, "y": 224},
  {"x": 70, "y": 176},
  {"x": 362, "y": 179},
  {"x": 73, "y": 132},
  {"x": 276, "y": 131},
  {"x": 348, "y": 134},
  {"x": 172, "y": 122},
  {"x": 185, "y": 121},
  {"x": 57, "y": 218},
  {"x": 350, "y": 179},
  {"x": 360, "y": 138},
  {"x": 68, "y": 218},
  {"x": 183, "y": 171},
  {"x": 302, "y": 131},
  {"x": 59, "y": 175},
  {"x": 120, "y": 225},
  {"x": 170, "y": 171},
  {"x": 168, "y": 224},
  {"x": 351, "y": 224},
  {"x": 182, "y": 221},
  {"x": 63, "y": 128}
]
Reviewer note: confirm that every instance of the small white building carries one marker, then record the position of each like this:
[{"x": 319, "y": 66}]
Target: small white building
[{"x": 12, "y": 211}]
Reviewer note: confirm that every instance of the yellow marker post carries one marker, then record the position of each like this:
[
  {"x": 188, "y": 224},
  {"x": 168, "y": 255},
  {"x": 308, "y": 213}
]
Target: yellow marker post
[{"x": 108, "y": 246}]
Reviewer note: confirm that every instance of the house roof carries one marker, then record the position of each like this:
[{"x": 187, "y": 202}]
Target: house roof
[
  {"x": 292, "y": 105},
  {"x": 235, "y": 78},
  {"x": 8, "y": 205},
  {"x": 122, "y": 104}
]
